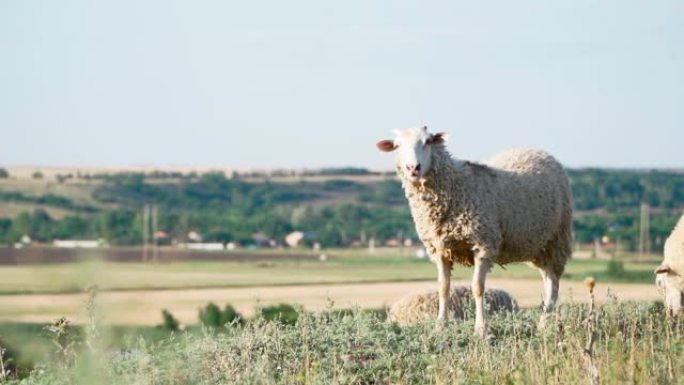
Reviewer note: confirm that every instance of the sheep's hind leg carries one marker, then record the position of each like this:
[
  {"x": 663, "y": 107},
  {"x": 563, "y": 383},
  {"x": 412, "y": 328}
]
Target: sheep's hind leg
[
  {"x": 444, "y": 282},
  {"x": 482, "y": 266},
  {"x": 550, "y": 294}
]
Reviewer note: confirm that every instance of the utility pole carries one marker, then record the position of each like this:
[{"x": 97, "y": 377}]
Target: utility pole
[
  {"x": 644, "y": 231},
  {"x": 154, "y": 232},
  {"x": 145, "y": 229}
]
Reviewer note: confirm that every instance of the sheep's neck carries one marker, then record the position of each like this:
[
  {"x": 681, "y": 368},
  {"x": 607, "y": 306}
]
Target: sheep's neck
[
  {"x": 440, "y": 190},
  {"x": 436, "y": 199}
]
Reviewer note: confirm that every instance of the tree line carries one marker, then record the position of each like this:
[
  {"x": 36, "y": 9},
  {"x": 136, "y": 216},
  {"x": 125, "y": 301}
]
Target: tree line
[{"x": 334, "y": 212}]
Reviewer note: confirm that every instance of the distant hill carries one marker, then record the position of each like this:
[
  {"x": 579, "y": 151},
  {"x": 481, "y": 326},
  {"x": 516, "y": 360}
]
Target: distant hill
[{"x": 339, "y": 206}]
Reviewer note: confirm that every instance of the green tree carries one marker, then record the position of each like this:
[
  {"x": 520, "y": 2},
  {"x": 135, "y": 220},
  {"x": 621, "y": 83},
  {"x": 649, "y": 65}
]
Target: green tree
[{"x": 5, "y": 227}]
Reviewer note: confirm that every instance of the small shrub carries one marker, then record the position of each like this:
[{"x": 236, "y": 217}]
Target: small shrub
[
  {"x": 3, "y": 173},
  {"x": 231, "y": 315},
  {"x": 169, "y": 321},
  {"x": 615, "y": 269},
  {"x": 282, "y": 313},
  {"x": 37, "y": 175},
  {"x": 212, "y": 316},
  {"x": 66, "y": 340}
]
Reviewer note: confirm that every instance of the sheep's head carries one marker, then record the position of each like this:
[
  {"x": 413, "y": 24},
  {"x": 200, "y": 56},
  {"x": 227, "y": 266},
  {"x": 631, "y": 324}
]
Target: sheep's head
[
  {"x": 413, "y": 147},
  {"x": 674, "y": 298}
]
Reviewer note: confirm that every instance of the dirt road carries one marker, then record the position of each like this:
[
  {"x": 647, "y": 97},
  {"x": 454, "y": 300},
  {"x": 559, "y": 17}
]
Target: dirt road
[{"x": 144, "y": 307}]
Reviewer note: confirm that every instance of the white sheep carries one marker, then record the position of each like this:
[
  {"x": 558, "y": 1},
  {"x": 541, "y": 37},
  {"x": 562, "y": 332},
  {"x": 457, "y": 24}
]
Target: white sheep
[
  {"x": 670, "y": 274},
  {"x": 422, "y": 306},
  {"x": 515, "y": 209}
]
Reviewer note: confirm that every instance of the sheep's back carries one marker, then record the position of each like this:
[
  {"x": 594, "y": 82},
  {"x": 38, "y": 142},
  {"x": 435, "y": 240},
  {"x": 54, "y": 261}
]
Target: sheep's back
[
  {"x": 533, "y": 201},
  {"x": 526, "y": 161}
]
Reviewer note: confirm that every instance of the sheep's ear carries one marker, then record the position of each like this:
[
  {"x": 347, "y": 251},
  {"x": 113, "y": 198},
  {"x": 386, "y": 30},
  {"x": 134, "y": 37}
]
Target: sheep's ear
[
  {"x": 386, "y": 145},
  {"x": 662, "y": 269},
  {"x": 437, "y": 138}
]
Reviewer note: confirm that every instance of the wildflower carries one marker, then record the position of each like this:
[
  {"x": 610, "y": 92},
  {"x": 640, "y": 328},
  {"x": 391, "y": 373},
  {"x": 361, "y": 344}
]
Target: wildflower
[{"x": 590, "y": 282}]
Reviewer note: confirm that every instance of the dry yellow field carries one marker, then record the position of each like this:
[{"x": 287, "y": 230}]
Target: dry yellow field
[{"x": 143, "y": 307}]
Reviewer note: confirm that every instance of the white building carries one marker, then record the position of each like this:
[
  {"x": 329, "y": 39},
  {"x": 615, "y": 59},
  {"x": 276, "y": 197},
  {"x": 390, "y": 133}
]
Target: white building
[
  {"x": 203, "y": 246},
  {"x": 78, "y": 243}
]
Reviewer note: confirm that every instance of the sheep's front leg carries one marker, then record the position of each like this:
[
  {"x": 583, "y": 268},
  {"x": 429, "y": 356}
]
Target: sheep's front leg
[
  {"x": 551, "y": 288},
  {"x": 444, "y": 282},
  {"x": 550, "y": 294},
  {"x": 482, "y": 266},
  {"x": 674, "y": 300}
]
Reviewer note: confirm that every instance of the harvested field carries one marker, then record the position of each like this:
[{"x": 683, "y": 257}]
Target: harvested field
[{"x": 143, "y": 307}]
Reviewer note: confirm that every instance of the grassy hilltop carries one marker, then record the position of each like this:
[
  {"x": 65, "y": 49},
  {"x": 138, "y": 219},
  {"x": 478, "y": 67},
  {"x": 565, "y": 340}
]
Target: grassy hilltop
[{"x": 633, "y": 344}]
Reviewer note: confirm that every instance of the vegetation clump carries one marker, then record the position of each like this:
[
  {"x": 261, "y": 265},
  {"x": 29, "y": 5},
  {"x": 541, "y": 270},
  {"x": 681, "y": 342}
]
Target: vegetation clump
[
  {"x": 169, "y": 322},
  {"x": 615, "y": 269},
  {"x": 283, "y": 313},
  {"x": 212, "y": 316}
]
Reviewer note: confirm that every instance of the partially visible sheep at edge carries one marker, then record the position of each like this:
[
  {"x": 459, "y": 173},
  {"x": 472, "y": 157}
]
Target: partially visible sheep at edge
[
  {"x": 670, "y": 274},
  {"x": 423, "y": 306}
]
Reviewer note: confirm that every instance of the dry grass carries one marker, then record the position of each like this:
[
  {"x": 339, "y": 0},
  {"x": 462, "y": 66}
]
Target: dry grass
[
  {"x": 79, "y": 192},
  {"x": 143, "y": 307},
  {"x": 634, "y": 344},
  {"x": 424, "y": 306},
  {"x": 12, "y": 209}
]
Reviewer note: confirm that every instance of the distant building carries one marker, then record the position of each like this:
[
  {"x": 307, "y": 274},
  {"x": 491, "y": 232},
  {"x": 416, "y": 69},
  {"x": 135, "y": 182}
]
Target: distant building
[
  {"x": 261, "y": 240},
  {"x": 393, "y": 242},
  {"x": 78, "y": 243},
  {"x": 194, "y": 236},
  {"x": 203, "y": 246},
  {"x": 294, "y": 238}
]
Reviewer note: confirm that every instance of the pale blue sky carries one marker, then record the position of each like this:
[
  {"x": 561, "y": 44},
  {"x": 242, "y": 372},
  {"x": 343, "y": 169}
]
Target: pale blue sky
[{"x": 317, "y": 83}]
